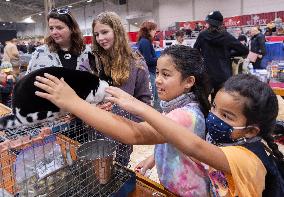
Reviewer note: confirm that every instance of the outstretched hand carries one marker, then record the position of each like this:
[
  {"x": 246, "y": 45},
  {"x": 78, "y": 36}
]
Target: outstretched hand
[
  {"x": 57, "y": 91},
  {"x": 125, "y": 100}
]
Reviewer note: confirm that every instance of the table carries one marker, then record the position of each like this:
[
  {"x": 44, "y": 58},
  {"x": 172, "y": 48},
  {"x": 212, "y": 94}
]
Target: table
[
  {"x": 4, "y": 110},
  {"x": 278, "y": 91},
  {"x": 147, "y": 187},
  {"x": 277, "y": 87}
]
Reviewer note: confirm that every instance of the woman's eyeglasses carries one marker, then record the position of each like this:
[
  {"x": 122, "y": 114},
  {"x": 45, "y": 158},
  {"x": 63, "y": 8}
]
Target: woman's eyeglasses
[{"x": 60, "y": 10}]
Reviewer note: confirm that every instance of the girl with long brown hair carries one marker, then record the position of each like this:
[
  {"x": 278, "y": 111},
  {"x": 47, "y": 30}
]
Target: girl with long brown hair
[{"x": 126, "y": 68}]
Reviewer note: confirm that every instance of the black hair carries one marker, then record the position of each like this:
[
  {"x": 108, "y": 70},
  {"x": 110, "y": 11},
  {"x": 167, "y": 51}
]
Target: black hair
[
  {"x": 242, "y": 38},
  {"x": 188, "y": 62},
  {"x": 180, "y": 33},
  {"x": 219, "y": 29},
  {"x": 260, "y": 106}
]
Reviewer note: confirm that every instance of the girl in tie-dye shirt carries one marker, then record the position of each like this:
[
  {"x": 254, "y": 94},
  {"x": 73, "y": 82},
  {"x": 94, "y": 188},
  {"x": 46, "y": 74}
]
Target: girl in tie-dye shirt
[
  {"x": 176, "y": 171},
  {"x": 181, "y": 85}
]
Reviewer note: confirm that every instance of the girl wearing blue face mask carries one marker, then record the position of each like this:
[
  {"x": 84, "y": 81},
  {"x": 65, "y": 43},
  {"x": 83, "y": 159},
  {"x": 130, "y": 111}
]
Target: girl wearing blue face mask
[
  {"x": 242, "y": 117},
  {"x": 181, "y": 85}
]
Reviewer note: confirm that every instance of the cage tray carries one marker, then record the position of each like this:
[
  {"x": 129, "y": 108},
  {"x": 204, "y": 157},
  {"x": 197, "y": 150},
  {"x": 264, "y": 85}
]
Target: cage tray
[{"x": 79, "y": 180}]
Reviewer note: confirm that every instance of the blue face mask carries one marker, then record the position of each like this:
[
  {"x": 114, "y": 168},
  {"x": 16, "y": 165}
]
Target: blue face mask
[{"x": 219, "y": 131}]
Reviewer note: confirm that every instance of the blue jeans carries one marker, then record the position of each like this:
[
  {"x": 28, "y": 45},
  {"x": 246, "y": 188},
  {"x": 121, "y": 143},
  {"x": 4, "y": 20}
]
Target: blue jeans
[{"x": 155, "y": 98}]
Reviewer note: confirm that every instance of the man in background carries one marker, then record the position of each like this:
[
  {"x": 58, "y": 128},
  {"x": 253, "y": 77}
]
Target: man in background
[
  {"x": 217, "y": 47},
  {"x": 11, "y": 54},
  {"x": 257, "y": 46}
]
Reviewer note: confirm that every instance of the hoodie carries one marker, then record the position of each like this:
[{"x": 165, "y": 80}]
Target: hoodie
[{"x": 217, "y": 48}]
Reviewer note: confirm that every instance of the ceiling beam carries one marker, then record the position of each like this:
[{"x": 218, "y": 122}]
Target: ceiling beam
[{"x": 11, "y": 4}]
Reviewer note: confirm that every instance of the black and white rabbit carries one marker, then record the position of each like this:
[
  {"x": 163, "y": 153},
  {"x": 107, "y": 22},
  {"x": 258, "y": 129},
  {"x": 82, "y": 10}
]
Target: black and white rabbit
[{"x": 27, "y": 108}]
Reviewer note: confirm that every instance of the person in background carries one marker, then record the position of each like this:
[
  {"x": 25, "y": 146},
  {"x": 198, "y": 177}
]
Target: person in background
[
  {"x": 7, "y": 81},
  {"x": 181, "y": 81},
  {"x": 22, "y": 47},
  {"x": 1, "y": 48},
  {"x": 257, "y": 45},
  {"x": 270, "y": 27},
  {"x": 217, "y": 47},
  {"x": 1, "y": 51},
  {"x": 11, "y": 54},
  {"x": 243, "y": 39},
  {"x": 280, "y": 31},
  {"x": 197, "y": 27},
  {"x": 64, "y": 46},
  {"x": 125, "y": 67},
  {"x": 179, "y": 38},
  {"x": 239, "y": 64},
  {"x": 187, "y": 29},
  {"x": 146, "y": 35}
]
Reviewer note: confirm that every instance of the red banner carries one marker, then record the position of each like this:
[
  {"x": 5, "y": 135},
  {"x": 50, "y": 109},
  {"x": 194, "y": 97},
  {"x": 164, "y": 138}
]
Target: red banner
[
  {"x": 251, "y": 20},
  {"x": 280, "y": 14},
  {"x": 132, "y": 36},
  {"x": 88, "y": 39},
  {"x": 232, "y": 21},
  {"x": 260, "y": 19}
]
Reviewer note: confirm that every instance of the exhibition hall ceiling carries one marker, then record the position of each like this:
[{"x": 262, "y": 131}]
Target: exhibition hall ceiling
[{"x": 17, "y": 10}]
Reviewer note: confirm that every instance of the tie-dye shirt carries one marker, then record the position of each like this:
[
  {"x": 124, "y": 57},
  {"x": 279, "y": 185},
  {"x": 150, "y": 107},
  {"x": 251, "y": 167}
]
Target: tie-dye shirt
[{"x": 177, "y": 172}]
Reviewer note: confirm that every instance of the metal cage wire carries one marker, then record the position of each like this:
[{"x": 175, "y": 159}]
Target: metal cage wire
[{"x": 41, "y": 160}]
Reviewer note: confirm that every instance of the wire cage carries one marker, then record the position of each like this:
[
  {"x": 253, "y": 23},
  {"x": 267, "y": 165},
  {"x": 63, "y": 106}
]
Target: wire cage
[
  {"x": 57, "y": 158},
  {"x": 276, "y": 71}
]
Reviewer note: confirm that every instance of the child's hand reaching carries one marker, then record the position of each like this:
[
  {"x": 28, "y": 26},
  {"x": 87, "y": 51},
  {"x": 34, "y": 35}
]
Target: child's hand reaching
[
  {"x": 57, "y": 91},
  {"x": 145, "y": 165},
  {"x": 105, "y": 106},
  {"x": 125, "y": 100}
]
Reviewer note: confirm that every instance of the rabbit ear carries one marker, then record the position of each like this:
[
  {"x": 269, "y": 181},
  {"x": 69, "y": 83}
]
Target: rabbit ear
[
  {"x": 94, "y": 63},
  {"x": 97, "y": 67}
]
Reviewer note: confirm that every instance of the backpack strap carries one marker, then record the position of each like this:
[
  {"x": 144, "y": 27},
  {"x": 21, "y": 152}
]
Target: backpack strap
[{"x": 274, "y": 181}]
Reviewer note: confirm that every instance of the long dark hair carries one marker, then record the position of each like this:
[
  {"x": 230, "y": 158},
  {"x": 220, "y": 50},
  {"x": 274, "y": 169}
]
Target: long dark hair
[
  {"x": 77, "y": 41},
  {"x": 188, "y": 62},
  {"x": 145, "y": 29},
  {"x": 260, "y": 106},
  {"x": 219, "y": 29}
]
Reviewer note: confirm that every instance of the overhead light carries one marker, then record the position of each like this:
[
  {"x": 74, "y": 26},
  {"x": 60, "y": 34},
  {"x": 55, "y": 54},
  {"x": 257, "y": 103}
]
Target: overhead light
[
  {"x": 89, "y": 1},
  {"x": 40, "y": 14},
  {"x": 11, "y": 22},
  {"x": 70, "y": 6},
  {"x": 136, "y": 23},
  {"x": 28, "y": 20},
  {"x": 4, "y": 24},
  {"x": 7, "y": 0}
]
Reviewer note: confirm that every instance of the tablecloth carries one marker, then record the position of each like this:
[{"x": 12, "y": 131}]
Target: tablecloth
[
  {"x": 274, "y": 51},
  {"x": 274, "y": 38}
]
